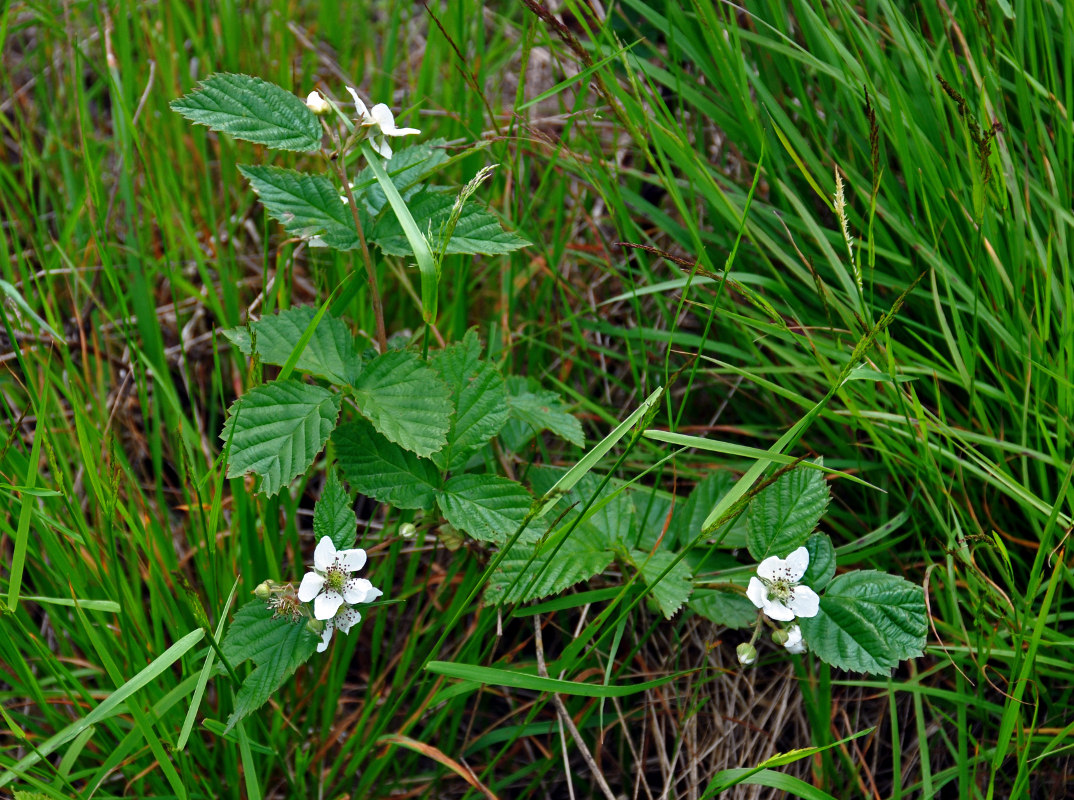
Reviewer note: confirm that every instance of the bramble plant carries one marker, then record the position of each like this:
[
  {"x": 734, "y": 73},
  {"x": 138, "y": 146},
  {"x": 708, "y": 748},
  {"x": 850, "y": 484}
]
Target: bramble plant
[{"x": 424, "y": 431}]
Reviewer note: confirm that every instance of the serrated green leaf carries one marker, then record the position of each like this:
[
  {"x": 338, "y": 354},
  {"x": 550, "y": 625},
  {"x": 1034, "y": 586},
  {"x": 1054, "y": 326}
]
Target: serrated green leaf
[
  {"x": 673, "y": 589},
  {"x": 518, "y": 580},
  {"x": 306, "y": 205},
  {"x": 479, "y": 398},
  {"x": 330, "y": 353},
  {"x": 609, "y": 520},
  {"x": 477, "y": 231},
  {"x": 333, "y": 514},
  {"x": 821, "y": 567},
  {"x": 252, "y": 109},
  {"x": 277, "y": 429},
  {"x": 382, "y": 469},
  {"x": 651, "y": 512},
  {"x": 406, "y": 401},
  {"x": 406, "y": 168},
  {"x": 724, "y": 608},
  {"x": 869, "y": 621},
  {"x": 535, "y": 410},
  {"x": 687, "y": 525},
  {"x": 276, "y": 645},
  {"x": 487, "y": 507},
  {"x": 783, "y": 515}
]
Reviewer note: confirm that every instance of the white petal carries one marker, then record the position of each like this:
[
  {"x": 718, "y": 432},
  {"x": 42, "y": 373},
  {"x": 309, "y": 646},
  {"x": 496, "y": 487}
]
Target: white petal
[
  {"x": 794, "y": 637},
  {"x": 773, "y": 608},
  {"x": 351, "y": 560},
  {"x": 317, "y": 241},
  {"x": 403, "y": 132},
  {"x": 325, "y": 554},
  {"x": 347, "y": 619},
  {"x": 372, "y": 594},
  {"x": 326, "y": 605},
  {"x": 771, "y": 568},
  {"x": 326, "y": 637},
  {"x": 804, "y": 602},
  {"x": 383, "y": 117},
  {"x": 797, "y": 563},
  {"x": 356, "y": 589},
  {"x": 358, "y": 104},
  {"x": 756, "y": 592},
  {"x": 380, "y": 144},
  {"x": 310, "y": 587}
]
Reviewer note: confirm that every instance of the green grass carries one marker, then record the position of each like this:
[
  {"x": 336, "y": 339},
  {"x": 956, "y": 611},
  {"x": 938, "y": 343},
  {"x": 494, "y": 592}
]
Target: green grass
[{"x": 133, "y": 237}]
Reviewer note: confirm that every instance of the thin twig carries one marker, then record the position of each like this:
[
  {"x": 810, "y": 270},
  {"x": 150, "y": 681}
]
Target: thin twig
[{"x": 565, "y": 718}]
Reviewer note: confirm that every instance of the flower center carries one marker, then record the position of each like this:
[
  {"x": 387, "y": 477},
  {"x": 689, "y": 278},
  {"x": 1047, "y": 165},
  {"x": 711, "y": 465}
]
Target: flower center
[
  {"x": 781, "y": 589},
  {"x": 334, "y": 579}
]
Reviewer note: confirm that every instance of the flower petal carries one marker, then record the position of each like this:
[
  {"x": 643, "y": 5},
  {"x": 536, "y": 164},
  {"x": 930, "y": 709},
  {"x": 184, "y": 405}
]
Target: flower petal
[
  {"x": 326, "y": 637},
  {"x": 384, "y": 117},
  {"x": 351, "y": 560},
  {"x": 773, "y": 608},
  {"x": 363, "y": 112},
  {"x": 380, "y": 144},
  {"x": 327, "y": 604},
  {"x": 771, "y": 568},
  {"x": 794, "y": 637},
  {"x": 403, "y": 132},
  {"x": 356, "y": 590},
  {"x": 756, "y": 592},
  {"x": 325, "y": 554},
  {"x": 804, "y": 602},
  {"x": 311, "y": 586},
  {"x": 347, "y": 619},
  {"x": 796, "y": 564}
]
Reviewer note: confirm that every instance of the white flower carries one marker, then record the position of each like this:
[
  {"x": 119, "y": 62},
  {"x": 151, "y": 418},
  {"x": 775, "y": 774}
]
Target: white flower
[
  {"x": 380, "y": 124},
  {"x": 330, "y": 585},
  {"x": 794, "y": 643},
  {"x": 776, "y": 589},
  {"x": 317, "y": 104}
]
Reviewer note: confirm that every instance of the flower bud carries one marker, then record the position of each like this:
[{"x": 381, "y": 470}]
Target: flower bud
[
  {"x": 317, "y": 104},
  {"x": 408, "y": 530},
  {"x": 315, "y": 626},
  {"x": 747, "y": 654},
  {"x": 780, "y": 637},
  {"x": 263, "y": 590}
]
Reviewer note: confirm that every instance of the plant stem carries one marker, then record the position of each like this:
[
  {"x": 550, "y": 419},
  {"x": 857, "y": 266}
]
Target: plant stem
[{"x": 371, "y": 275}]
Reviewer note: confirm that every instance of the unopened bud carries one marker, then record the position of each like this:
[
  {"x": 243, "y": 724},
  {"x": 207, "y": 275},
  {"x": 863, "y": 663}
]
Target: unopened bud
[
  {"x": 408, "y": 530},
  {"x": 781, "y": 636},
  {"x": 315, "y": 626},
  {"x": 263, "y": 590},
  {"x": 317, "y": 104},
  {"x": 747, "y": 654}
]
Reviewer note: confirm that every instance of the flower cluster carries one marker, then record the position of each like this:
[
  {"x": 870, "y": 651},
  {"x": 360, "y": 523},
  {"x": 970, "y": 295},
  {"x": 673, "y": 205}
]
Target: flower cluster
[
  {"x": 376, "y": 124},
  {"x": 332, "y": 589},
  {"x": 777, "y": 592}
]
